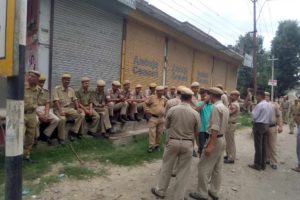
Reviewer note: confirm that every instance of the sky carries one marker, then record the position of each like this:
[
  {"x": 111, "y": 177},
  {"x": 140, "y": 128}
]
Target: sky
[{"x": 226, "y": 20}]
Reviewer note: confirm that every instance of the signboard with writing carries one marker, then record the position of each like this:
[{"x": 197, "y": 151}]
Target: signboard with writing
[
  {"x": 248, "y": 60},
  {"x": 272, "y": 82},
  {"x": 7, "y": 12}
]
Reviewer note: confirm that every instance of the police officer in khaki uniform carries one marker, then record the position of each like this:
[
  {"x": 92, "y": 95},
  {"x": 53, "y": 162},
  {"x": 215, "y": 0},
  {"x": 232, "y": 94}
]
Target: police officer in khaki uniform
[
  {"x": 297, "y": 121},
  {"x": 182, "y": 125},
  {"x": 234, "y": 111},
  {"x": 138, "y": 100},
  {"x": 285, "y": 106},
  {"x": 210, "y": 165},
  {"x": 292, "y": 112},
  {"x": 274, "y": 128},
  {"x": 151, "y": 90},
  {"x": 195, "y": 86},
  {"x": 166, "y": 92},
  {"x": 117, "y": 102},
  {"x": 127, "y": 94},
  {"x": 66, "y": 107},
  {"x": 85, "y": 103},
  {"x": 100, "y": 105},
  {"x": 172, "y": 93},
  {"x": 174, "y": 102},
  {"x": 155, "y": 106},
  {"x": 44, "y": 113},
  {"x": 31, "y": 94},
  {"x": 224, "y": 97}
]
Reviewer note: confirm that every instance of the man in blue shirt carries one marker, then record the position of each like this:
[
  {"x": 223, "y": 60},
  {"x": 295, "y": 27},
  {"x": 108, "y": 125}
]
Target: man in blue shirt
[{"x": 204, "y": 108}]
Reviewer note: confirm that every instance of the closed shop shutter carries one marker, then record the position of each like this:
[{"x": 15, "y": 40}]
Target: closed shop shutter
[
  {"x": 180, "y": 62},
  {"x": 144, "y": 55},
  {"x": 231, "y": 77},
  {"x": 86, "y": 42},
  {"x": 219, "y": 72},
  {"x": 202, "y": 69}
]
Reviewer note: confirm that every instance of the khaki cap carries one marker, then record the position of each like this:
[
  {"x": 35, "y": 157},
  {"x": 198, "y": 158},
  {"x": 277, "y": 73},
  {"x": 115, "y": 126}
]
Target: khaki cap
[
  {"x": 180, "y": 88},
  {"x": 215, "y": 90},
  {"x": 85, "y": 79},
  {"x": 166, "y": 87},
  {"x": 152, "y": 85},
  {"x": 138, "y": 86},
  {"x": 195, "y": 84},
  {"x": 42, "y": 77},
  {"x": 116, "y": 83},
  {"x": 173, "y": 88},
  {"x": 235, "y": 92},
  {"x": 219, "y": 86},
  {"x": 187, "y": 91},
  {"x": 35, "y": 72},
  {"x": 66, "y": 76},
  {"x": 126, "y": 82},
  {"x": 101, "y": 83},
  {"x": 267, "y": 93},
  {"x": 159, "y": 87}
]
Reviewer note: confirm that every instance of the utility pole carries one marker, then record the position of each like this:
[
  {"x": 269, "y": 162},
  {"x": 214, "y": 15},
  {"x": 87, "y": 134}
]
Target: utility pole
[
  {"x": 272, "y": 86},
  {"x": 254, "y": 47}
]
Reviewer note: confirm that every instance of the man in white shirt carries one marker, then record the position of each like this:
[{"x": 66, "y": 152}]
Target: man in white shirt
[{"x": 262, "y": 118}]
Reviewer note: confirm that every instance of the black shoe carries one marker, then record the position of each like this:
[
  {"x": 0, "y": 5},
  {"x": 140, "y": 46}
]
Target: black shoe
[
  {"x": 197, "y": 196},
  {"x": 136, "y": 116},
  {"x": 212, "y": 196},
  {"x": 268, "y": 162},
  {"x": 157, "y": 148},
  {"x": 60, "y": 141},
  {"x": 130, "y": 118},
  {"x": 229, "y": 161},
  {"x": 49, "y": 141},
  {"x": 92, "y": 134},
  {"x": 273, "y": 166},
  {"x": 255, "y": 167},
  {"x": 225, "y": 157},
  {"x": 79, "y": 136},
  {"x": 123, "y": 121},
  {"x": 153, "y": 191},
  {"x": 112, "y": 120},
  {"x": 71, "y": 138},
  {"x": 124, "y": 117},
  {"x": 111, "y": 131}
]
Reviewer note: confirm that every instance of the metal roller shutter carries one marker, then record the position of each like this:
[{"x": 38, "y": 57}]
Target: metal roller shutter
[
  {"x": 144, "y": 55},
  {"x": 86, "y": 42},
  {"x": 203, "y": 64},
  {"x": 180, "y": 62},
  {"x": 231, "y": 77},
  {"x": 219, "y": 72}
]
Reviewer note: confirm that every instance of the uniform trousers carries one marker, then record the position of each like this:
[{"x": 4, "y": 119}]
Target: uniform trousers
[
  {"x": 117, "y": 107},
  {"x": 203, "y": 136},
  {"x": 30, "y": 127},
  {"x": 260, "y": 143},
  {"x": 298, "y": 144},
  {"x": 104, "y": 123},
  {"x": 292, "y": 125},
  {"x": 210, "y": 170},
  {"x": 135, "y": 107},
  {"x": 285, "y": 115},
  {"x": 156, "y": 127},
  {"x": 93, "y": 127},
  {"x": 271, "y": 145},
  {"x": 53, "y": 121},
  {"x": 180, "y": 151},
  {"x": 230, "y": 141},
  {"x": 70, "y": 113}
]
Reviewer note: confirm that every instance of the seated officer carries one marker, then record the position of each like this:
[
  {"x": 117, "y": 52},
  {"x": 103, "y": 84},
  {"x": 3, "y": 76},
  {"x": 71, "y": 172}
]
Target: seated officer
[
  {"x": 126, "y": 93},
  {"x": 151, "y": 90},
  {"x": 100, "y": 105},
  {"x": 85, "y": 103},
  {"x": 43, "y": 111},
  {"x": 117, "y": 102},
  {"x": 66, "y": 107},
  {"x": 138, "y": 99}
]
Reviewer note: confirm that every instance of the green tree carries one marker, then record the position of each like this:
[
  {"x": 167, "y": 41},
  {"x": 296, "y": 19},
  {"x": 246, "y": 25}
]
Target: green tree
[{"x": 286, "y": 47}]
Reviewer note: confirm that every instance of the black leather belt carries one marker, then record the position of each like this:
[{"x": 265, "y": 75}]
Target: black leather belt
[
  {"x": 272, "y": 125},
  {"x": 218, "y": 136},
  {"x": 180, "y": 139},
  {"x": 155, "y": 116}
]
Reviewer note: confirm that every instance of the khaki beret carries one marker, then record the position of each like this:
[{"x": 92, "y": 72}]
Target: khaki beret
[
  {"x": 85, "y": 79},
  {"x": 116, "y": 83},
  {"x": 180, "y": 88},
  {"x": 235, "y": 92},
  {"x": 152, "y": 85},
  {"x": 267, "y": 93},
  {"x": 187, "y": 91},
  {"x": 138, "y": 86},
  {"x": 173, "y": 88},
  {"x": 66, "y": 76},
  {"x": 195, "y": 84},
  {"x": 215, "y": 90},
  {"x": 219, "y": 86},
  {"x": 126, "y": 82},
  {"x": 35, "y": 72},
  {"x": 101, "y": 83},
  {"x": 159, "y": 87},
  {"x": 42, "y": 77}
]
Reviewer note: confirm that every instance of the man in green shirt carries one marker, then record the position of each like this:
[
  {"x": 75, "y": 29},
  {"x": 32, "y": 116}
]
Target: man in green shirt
[{"x": 204, "y": 108}]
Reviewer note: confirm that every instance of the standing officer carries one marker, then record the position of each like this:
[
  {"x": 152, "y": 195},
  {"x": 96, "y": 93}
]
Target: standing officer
[
  {"x": 155, "y": 106},
  {"x": 126, "y": 93},
  {"x": 292, "y": 112},
  {"x": 166, "y": 92},
  {"x": 100, "y": 105},
  {"x": 182, "y": 125},
  {"x": 234, "y": 111},
  {"x": 224, "y": 97},
  {"x": 67, "y": 107},
  {"x": 44, "y": 112},
  {"x": 176, "y": 101},
  {"x": 151, "y": 90},
  {"x": 210, "y": 165},
  {"x": 117, "y": 102},
  {"x": 85, "y": 103},
  {"x": 274, "y": 128},
  {"x": 285, "y": 106},
  {"x": 195, "y": 86},
  {"x": 31, "y": 94},
  {"x": 172, "y": 94},
  {"x": 138, "y": 100},
  {"x": 297, "y": 121}
]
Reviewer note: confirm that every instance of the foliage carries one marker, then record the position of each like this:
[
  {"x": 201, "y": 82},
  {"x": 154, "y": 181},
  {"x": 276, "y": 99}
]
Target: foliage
[{"x": 244, "y": 120}]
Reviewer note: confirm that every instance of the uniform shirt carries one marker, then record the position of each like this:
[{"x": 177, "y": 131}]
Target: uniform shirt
[
  {"x": 234, "y": 117},
  {"x": 139, "y": 95},
  {"x": 182, "y": 122},
  {"x": 172, "y": 96},
  {"x": 43, "y": 98},
  {"x": 155, "y": 105},
  {"x": 219, "y": 118},
  {"x": 172, "y": 102},
  {"x": 99, "y": 98},
  {"x": 205, "y": 113},
  {"x": 84, "y": 97},
  {"x": 276, "y": 114},
  {"x": 285, "y": 105},
  {"x": 297, "y": 114},
  {"x": 64, "y": 96},
  {"x": 148, "y": 93},
  {"x": 31, "y": 98},
  {"x": 262, "y": 113},
  {"x": 114, "y": 95},
  {"x": 196, "y": 99},
  {"x": 224, "y": 99},
  {"x": 126, "y": 94},
  {"x": 166, "y": 95}
]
